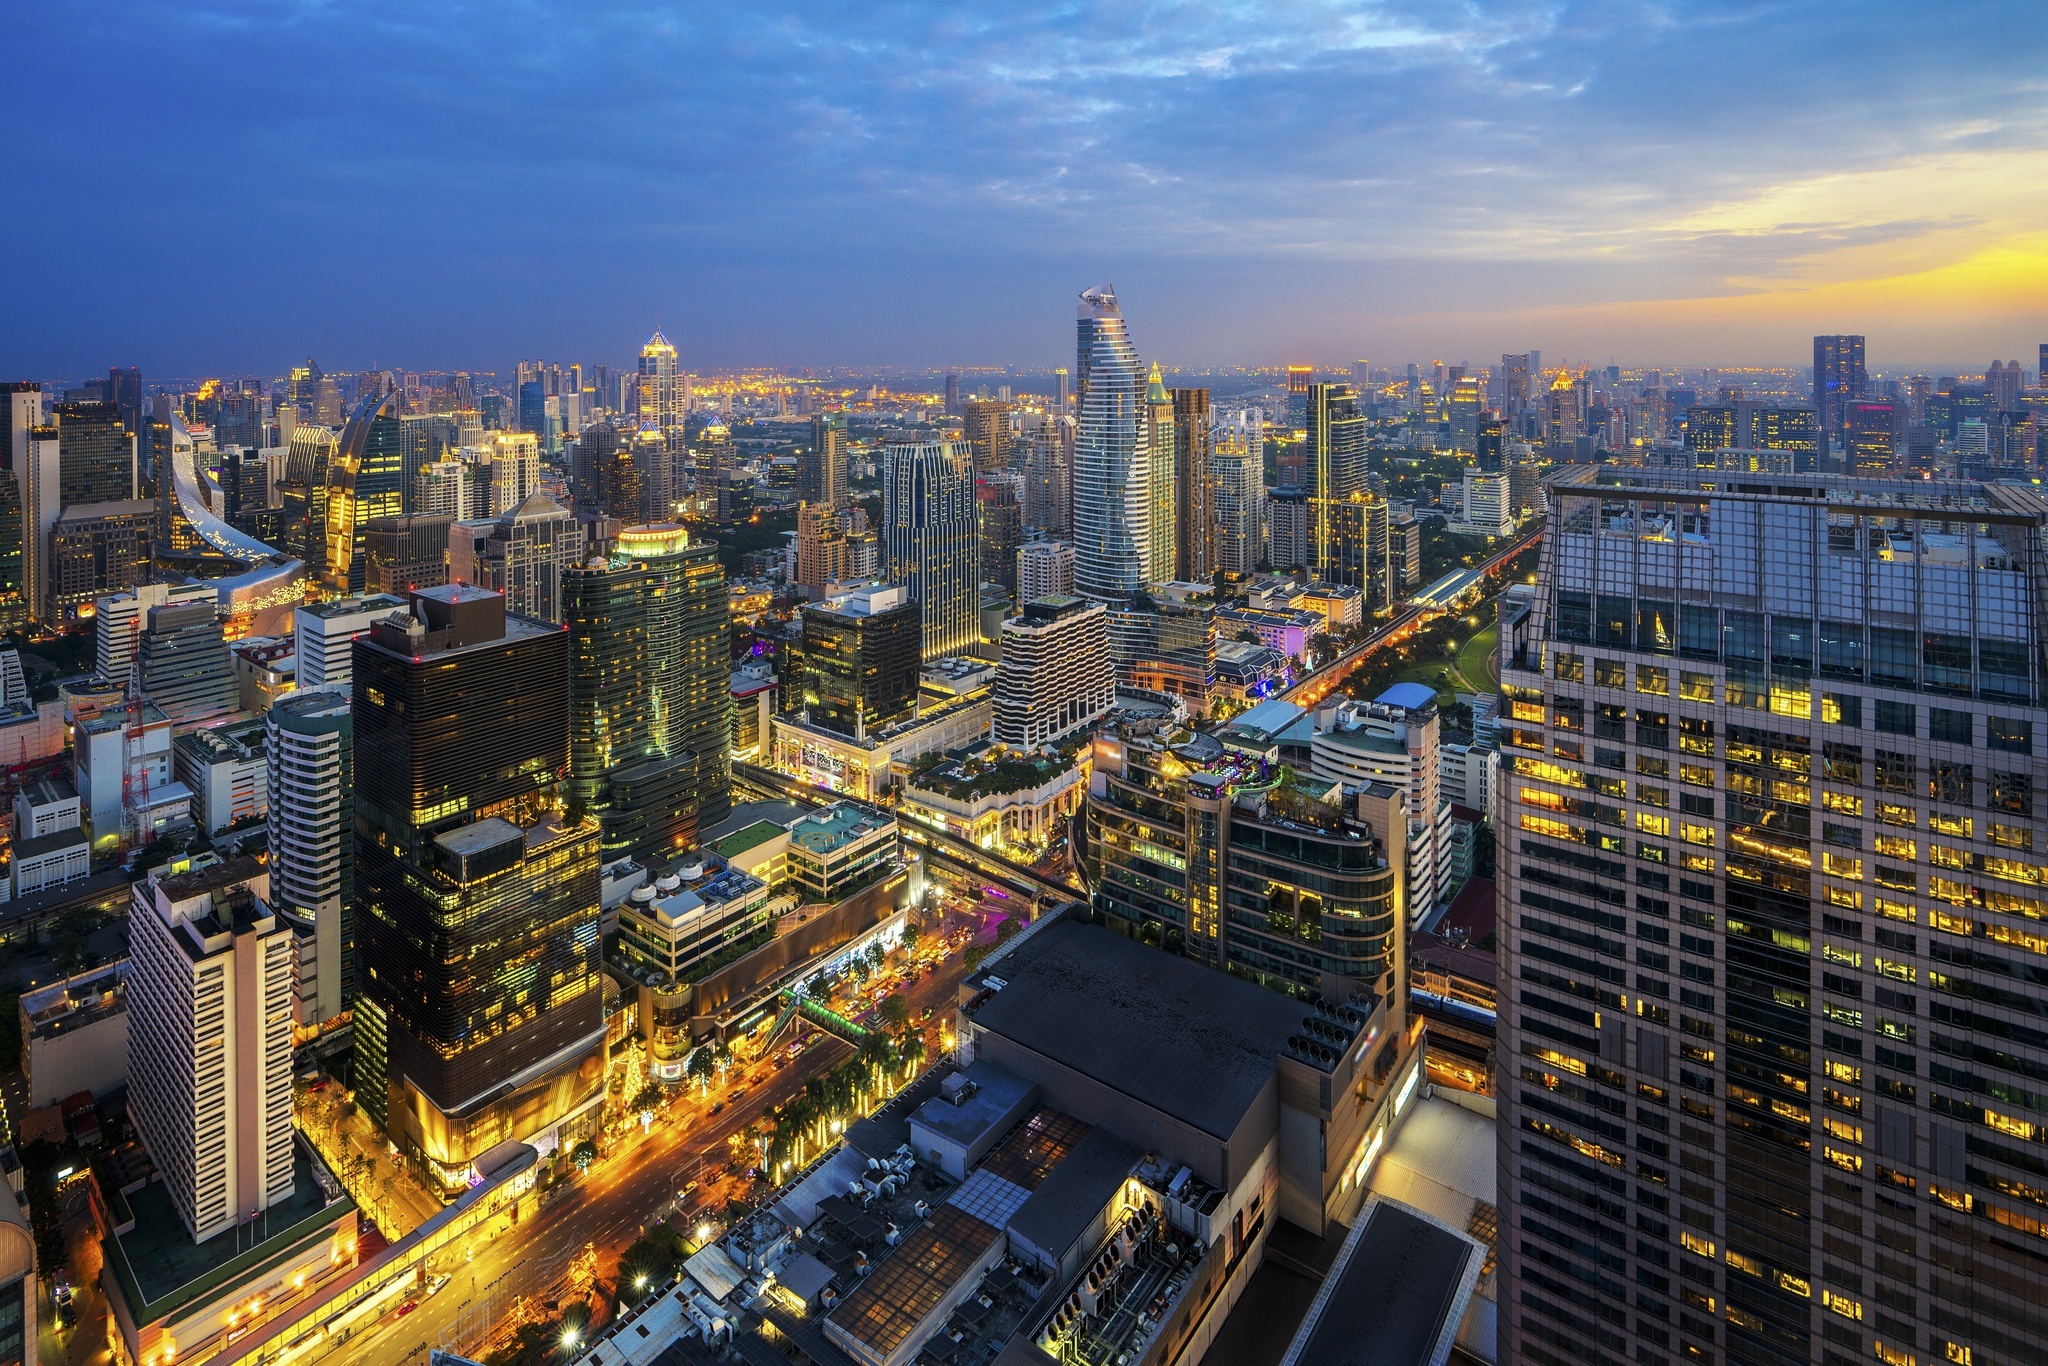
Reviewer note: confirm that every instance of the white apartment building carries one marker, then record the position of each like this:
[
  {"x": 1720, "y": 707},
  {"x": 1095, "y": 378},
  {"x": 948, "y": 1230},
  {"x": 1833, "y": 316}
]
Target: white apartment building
[
  {"x": 1489, "y": 508},
  {"x": 210, "y": 1042},
  {"x": 225, "y": 769},
  {"x": 326, "y": 636},
  {"x": 1045, "y": 569},
  {"x": 309, "y": 748},
  {"x": 1056, "y": 674},
  {"x": 1466, "y": 776},
  {"x": 1394, "y": 740}
]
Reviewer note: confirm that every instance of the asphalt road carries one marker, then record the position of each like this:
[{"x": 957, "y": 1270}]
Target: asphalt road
[{"x": 612, "y": 1203}]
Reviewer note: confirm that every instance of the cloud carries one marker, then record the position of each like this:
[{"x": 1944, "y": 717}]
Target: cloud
[{"x": 222, "y": 186}]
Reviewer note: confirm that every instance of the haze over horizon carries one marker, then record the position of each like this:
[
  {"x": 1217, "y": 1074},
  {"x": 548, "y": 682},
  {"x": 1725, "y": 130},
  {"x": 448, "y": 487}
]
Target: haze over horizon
[{"x": 861, "y": 185}]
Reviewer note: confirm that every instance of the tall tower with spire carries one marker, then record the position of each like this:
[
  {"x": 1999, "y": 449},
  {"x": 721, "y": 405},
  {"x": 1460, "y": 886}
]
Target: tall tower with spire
[
  {"x": 1112, "y": 457},
  {"x": 661, "y": 399},
  {"x": 1159, "y": 478}
]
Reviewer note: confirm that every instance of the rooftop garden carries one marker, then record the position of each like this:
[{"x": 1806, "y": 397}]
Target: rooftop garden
[{"x": 994, "y": 771}]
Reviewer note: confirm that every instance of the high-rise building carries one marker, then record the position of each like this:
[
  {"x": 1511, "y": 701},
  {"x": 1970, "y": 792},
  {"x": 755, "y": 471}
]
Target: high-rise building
[
  {"x": 95, "y": 454},
  {"x": 1337, "y": 444},
  {"x": 479, "y": 996},
  {"x": 522, "y": 554},
  {"x": 952, "y": 395},
  {"x": 97, "y": 549},
  {"x": 1195, "y": 529},
  {"x": 1763, "y": 826},
  {"x": 1000, "y": 523},
  {"x": 861, "y": 660},
  {"x": 659, "y": 395},
  {"x": 1239, "y": 460},
  {"x": 1055, "y": 675},
  {"x": 1299, "y": 378},
  {"x": 1795, "y": 429},
  {"x": 1062, "y": 390},
  {"x": 2002, "y": 385},
  {"x": 1203, "y": 851},
  {"x": 1045, "y": 569},
  {"x": 365, "y": 479},
  {"x": 1710, "y": 428},
  {"x": 622, "y": 653},
  {"x": 821, "y": 467},
  {"x": 1838, "y": 378},
  {"x": 1112, "y": 457},
  {"x": 406, "y": 552},
  {"x": 185, "y": 666},
  {"x": 1872, "y": 434},
  {"x": 689, "y": 637},
  {"x": 1049, "y": 478},
  {"x": 309, "y": 747},
  {"x": 932, "y": 542},
  {"x": 325, "y": 633},
  {"x": 210, "y": 1043},
  {"x": 1466, "y": 408},
  {"x": 986, "y": 423},
  {"x": 1160, "y": 497},
  {"x": 118, "y": 620}
]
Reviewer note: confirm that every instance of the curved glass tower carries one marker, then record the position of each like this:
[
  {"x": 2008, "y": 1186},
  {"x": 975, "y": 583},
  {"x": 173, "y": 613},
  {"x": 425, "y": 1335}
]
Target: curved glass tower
[{"x": 1112, "y": 458}]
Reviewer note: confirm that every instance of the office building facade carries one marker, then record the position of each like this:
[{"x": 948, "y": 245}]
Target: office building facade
[
  {"x": 1839, "y": 377},
  {"x": 1768, "y": 857},
  {"x": 689, "y": 648},
  {"x": 406, "y": 552},
  {"x": 821, "y": 466},
  {"x": 365, "y": 480},
  {"x": 478, "y": 1007},
  {"x": 861, "y": 659},
  {"x": 1240, "y": 466},
  {"x": 1194, "y": 484},
  {"x": 931, "y": 538}
]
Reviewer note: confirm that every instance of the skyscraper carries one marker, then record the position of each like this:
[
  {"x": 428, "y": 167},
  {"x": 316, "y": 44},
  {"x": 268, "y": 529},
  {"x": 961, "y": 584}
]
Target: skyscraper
[
  {"x": 1194, "y": 481},
  {"x": 95, "y": 454},
  {"x": 479, "y": 1001},
  {"x": 210, "y": 1043},
  {"x": 1062, "y": 389},
  {"x": 1112, "y": 457},
  {"x": 821, "y": 468},
  {"x": 1160, "y": 497},
  {"x": 952, "y": 395},
  {"x": 689, "y": 653},
  {"x": 1766, "y": 898},
  {"x": 1337, "y": 460},
  {"x": 1838, "y": 378},
  {"x": 365, "y": 479},
  {"x": 660, "y": 397},
  {"x": 1000, "y": 522},
  {"x": 1049, "y": 478},
  {"x": 1240, "y": 463},
  {"x": 931, "y": 538},
  {"x": 1299, "y": 378},
  {"x": 987, "y": 427},
  {"x": 124, "y": 391},
  {"x": 309, "y": 747},
  {"x": 523, "y": 555}
]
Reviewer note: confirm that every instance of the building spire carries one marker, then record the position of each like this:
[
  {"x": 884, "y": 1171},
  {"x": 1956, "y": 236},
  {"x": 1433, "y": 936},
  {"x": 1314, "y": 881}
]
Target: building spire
[{"x": 1155, "y": 386}]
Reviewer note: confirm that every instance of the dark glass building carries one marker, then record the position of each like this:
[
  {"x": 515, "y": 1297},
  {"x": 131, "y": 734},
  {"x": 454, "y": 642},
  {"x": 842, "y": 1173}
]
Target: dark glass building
[
  {"x": 689, "y": 637},
  {"x": 1839, "y": 377},
  {"x": 95, "y": 454},
  {"x": 861, "y": 658},
  {"x": 479, "y": 1011},
  {"x": 406, "y": 552}
]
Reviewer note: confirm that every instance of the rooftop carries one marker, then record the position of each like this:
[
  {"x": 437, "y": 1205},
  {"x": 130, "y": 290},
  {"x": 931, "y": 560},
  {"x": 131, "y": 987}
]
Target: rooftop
[
  {"x": 1410, "y": 696},
  {"x": 377, "y": 603},
  {"x": 1187, "y": 1040},
  {"x": 751, "y": 836},
  {"x": 1396, "y": 1295},
  {"x": 161, "y": 1270},
  {"x": 836, "y": 827},
  {"x": 1075, "y": 1191}
]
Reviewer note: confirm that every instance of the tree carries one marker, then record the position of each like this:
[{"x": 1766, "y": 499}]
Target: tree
[
  {"x": 896, "y": 1012},
  {"x": 911, "y": 931},
  {"x": 875, "y": 955},
  {"x": 583, "y": 1155},
  {"x": 703, "y": 1063}
]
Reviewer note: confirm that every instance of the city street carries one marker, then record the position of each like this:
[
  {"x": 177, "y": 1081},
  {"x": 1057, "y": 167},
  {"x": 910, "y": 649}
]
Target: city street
[{"x": 636, "y": 1184}]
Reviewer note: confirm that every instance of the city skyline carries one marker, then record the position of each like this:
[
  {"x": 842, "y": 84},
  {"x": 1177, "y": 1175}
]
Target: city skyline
[{"x": 1328, "y": 181}]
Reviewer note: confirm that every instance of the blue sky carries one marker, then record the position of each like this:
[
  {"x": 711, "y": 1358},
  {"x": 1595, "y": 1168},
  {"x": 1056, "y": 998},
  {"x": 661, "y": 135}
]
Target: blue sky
[{"x": 226, "y": 186}]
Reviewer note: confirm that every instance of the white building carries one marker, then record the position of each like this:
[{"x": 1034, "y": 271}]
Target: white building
[
  {"x": 309, "y": 748},
  {"x": 1489, "y": 506},
  {"x": 210, "y": 1042},
  {"x": 225, "y": 769},
  {"x": 1044, "y": 569},
  {"x": 1466, "y": 775},
  {"x": 119, "y": 621},
  {"x": 326, "y": 636},
  {"x": 1394, "y": 740},
  {"x": 116, "y": 765},
  {"x": 1055, "y": 675}
]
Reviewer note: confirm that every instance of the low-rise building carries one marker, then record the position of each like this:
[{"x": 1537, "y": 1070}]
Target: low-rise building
[
  {"x": 43, "y": 863},
  {"x": 1289, "y": 631},
  {"x": 862, "y": 766},
  {"x": 997, "y": 800},
  {"x": 1342, "y": 605},
  {"x": 1246, "y": 672},
  {"x": 226, "y": 771},
  {"x": 74, "y": 1035},
  {"x": 266, "y": 668},
  {"x": 836, "y": 852}
]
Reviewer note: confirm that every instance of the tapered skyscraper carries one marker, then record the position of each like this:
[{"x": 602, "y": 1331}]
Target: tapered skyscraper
[
  {"x": 660, "y": 394},
  {"x": 1112, "y": 457}
]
